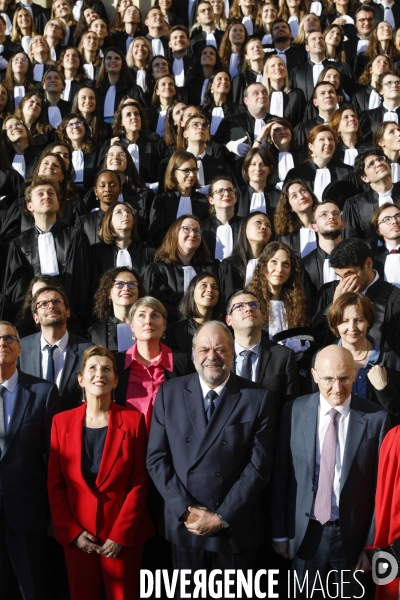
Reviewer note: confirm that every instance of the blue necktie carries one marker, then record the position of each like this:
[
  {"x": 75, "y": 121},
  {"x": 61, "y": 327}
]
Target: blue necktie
[
  {"x": 50, "y": 362},
  {"x": 211, "y": 396}
]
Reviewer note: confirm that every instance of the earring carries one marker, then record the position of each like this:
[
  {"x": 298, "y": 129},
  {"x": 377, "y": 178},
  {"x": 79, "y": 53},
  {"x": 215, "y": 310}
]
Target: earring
[
  {"x": 83, "y": 395},
  {"x": 163, "y": 335},
  {"x": 212, "y": 91},
  {"x": 133, "y": 336},
  {"x": 113, "y": 395},
  {"x": 97, "y": 198},
  {"x": 109, "y": 301}
]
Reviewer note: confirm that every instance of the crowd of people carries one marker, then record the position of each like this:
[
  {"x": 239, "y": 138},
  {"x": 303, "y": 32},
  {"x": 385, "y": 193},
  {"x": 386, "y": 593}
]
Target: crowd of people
[{"x": 200, "y": 303}]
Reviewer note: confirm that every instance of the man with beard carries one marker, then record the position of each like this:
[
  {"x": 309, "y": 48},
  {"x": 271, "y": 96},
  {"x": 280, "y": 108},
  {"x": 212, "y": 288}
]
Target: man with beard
[
  {"x": 386, "y": 251},
  {"x": 207, "y": 34},
  {"x": 292, "y": 56},
  {"x": 325, "y": 100},
  {"x": 54, "y": 354},
  {"x": 315, "y": 267},
  {"x": 209, "y": 455}
]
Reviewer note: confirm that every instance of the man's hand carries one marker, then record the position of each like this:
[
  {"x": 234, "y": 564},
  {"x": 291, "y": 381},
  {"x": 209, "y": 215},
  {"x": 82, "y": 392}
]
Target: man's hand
[
  {"x": 110, "y": 549},
  {"x": 85, "y": 540},
  {"x": 347, "y": 284},
  {"x": 282, "y": 548},
  {"x": 363, "y": 563},
  {"x": 378, "y": 377},
  {"x": 206, "y": 523}
]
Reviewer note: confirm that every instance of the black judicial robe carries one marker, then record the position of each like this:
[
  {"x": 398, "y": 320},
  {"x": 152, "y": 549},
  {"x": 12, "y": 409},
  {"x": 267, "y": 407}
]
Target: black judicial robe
[
  {"x": 379, "y": 254},
  {"x": 299, "y": 156},
  {"x": 163, "y": 212},
  {"x": 105, "y": 333},
  {"x": 76, "y": 86},
  {"x": 307, "y": 171},
  {"x": 236, "y": 127},
  {"x": 327, "y": 19},
  {"x": 199, "y": 41},
  {"x": 90, "y": 167},
  {"x": 292, "y": 240},
  {"x": 10, "y": 186},
  {"x": 165, "y": 282},
  {"x": 164, "y": 42},
  {"x": 104, "y": 257},
  {"x": 312, "y": 274},
  {"x": 72, "y": 249},
  {"x": 120, "y": 91},
  {"x": 357, "y": 212},
  {"x": 301, "y": 77},
  {"x": 240, "y": 82},
  {"x": 386, "y": 300},
  {"x": 7, "y": 312},
  {"x": 295, "y": 55},
  {"x": 341, "y": 149},
  {"x": 294, "y": 105},
  {"x": 231, "y": 277},
  {"x": 179, "y": 336},
  {"x": 360, "y": 100},
  {"x": 64, "y": 106},
  {"x": 246, "y": 194},
  {"x": 371, "y": 119},
  {"x": 210, "y": 227},
  {"x": 90, "y": 224},
  {"x": 303, "y": 129},
  {"x": 31, "y": 154}
]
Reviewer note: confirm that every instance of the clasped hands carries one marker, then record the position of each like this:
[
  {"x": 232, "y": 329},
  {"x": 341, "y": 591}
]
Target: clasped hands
[
  {"x": 199, "y": 520},
  {"x": 87, "y": 542}
]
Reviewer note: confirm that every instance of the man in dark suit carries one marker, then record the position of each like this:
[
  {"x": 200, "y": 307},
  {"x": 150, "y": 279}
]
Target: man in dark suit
[
  {"x": 27, "y": 405},
  {"x": 325, "y": 476},
  {"x": 305, "y": 76},
  {"x": 210, "y": 447},
  {"x": 256, "y": 357},
  {"x": 55, "y": 354},
  {"x": 385, "y": 247},
  {"x": 388, "y": 87}
]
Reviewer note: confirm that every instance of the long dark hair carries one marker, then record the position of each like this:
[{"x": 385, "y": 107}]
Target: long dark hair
[
  {"x": 125, "y": 76},
  {"x": 133, "y": 179},
  {"x": 228, "y": 107},
  {"x": 187, "y": 307},
  {"x": 103, "y": 308},
  {"x": 241, "y": 251}
]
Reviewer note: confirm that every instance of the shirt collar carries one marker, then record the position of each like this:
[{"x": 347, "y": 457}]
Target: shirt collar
[
  {"x": 325, "y": 407},
  {"x": 166, "y": 360},
  {"x": 393, "y": 247},
  {"x": 62, "y": 342},
  {"x": 255, "y": 348},
  {"x": 218, "y": 390},
  {"x": 11, "y": 382},
  {"x": 391, "y": 109},
  {"x": 372, "y": 282}
]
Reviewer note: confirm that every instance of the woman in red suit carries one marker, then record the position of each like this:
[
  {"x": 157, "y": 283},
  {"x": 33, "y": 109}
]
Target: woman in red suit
[{"x": 97, "y": 486}]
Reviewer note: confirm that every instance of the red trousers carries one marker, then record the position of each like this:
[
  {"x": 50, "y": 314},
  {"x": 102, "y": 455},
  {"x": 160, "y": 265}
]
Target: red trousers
[{"x": 120, "y": 575}]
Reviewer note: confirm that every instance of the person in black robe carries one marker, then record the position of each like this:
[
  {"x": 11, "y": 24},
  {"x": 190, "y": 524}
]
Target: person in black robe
[
  {"x": 201, "y": 303},
  {"x": 364, "y": 22},
  {"x": 182, "y": 255},
  {"x": 325, "y": 100},
  {"x": 258, "y": 193},
  {"x": 372, "y": 168},
  {"x": 371, "y": 119},
  {"x": 64, "y": 253},
  {"x": 352, "y": 261},
  {"x": 385, "y": 223},
  {"x": 179, "y": 198},
  {"x": 366, "y": 95},
  {"x": 20, "y": 149},
  {"x": 200, "y": 35},
  {"x": 55, "y": 108},
  {"x": 295, "y": 55}
]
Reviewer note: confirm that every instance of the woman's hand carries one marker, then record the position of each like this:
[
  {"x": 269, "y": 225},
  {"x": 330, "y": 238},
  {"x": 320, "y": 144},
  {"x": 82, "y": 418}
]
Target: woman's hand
[
  {"x": 85, "y": 540},
  {"x": 110, "y": 549},
  {"x": 378, "y": 377},
  {"x": 339, "y": 21}
]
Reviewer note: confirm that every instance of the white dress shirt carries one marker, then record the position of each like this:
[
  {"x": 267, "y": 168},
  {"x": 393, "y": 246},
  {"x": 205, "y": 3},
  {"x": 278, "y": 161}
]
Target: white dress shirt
[
  {"x": 218, "y": 390},
  {"x": 392, "y": 266},
  {"x": 254, "y": 359},
  {"x": 59, "y": 355}
]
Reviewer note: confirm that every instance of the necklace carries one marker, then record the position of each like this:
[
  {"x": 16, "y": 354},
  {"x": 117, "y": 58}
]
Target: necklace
[{"x": 364, "y": 357}]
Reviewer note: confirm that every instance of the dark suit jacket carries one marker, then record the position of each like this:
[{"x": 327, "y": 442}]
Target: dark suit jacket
[
  {"x": 360, "y": 100},
  {"x": 22, "y": 468},
  {"x": 358, "y": 210},
  {"x": 223, "y": 465},
  {"x": 30, "y": 361},
  {"x": 294, "y": 473},
  {"x": 199, "y": 42},
  {"x": 371, "y": 119},
  {"x": 237, "y": 126},
  {"x": 302, "y": 77},
  {"x": 295, "y": 55}
]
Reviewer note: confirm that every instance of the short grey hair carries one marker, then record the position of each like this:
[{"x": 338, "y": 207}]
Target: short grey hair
[
  {"x": 219, "y": 324},
  {"x": 12, "y": 327}
]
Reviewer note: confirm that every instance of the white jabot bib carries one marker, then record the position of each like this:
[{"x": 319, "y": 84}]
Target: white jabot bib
[
  {"x": 395, "y": 172},
  {"x": 9, "y": 26},
  {"x": 203, "y": 91},
  {"x": 141, "y": 79},
  {"x": 77, "y": 9},
  {"x": 224, "y": 242},
  {"x": 66, "y": 90},
  {"x": 157, "y": 47},
  {"x": 19, "y": 93},
  {"x": 66, "y": 39},
  {"x": 78, "y": 161},
  {"x": 277, "y": 321},
  {"x": 133, "y": 150},
  {"x": 316, "y": 8},
  {"x": 259, "y": 124},
  {"x": 308, "y": 241},
  {"x": 293, "y": 23},
  {"x": 128, "y": 43},
  {"x": 124, "y": 336},
  {"x": 210, "y": 39},
  {"x": 190, "y": 7},
  {"x": 322, "y": 179},
  {"x": 386, "y": 197},
  {"x": 267, "y": 39},
  {"x": 184, "y": 207},
  {"x": 362, "y": 45},
  {"x": 55, "y": 117},
  {"x": 375, "y": 100},
  {"x": 282, "y": 55},
  {"x": 234, "y": 65},
  {"x": 258, "y": 203},
  {"x": 285, "y": 163},
  {"x": 259, "y": 78},
  {"x": 216, "y": 117},
  {"x": 188, "y": 274},
  {"x": 89, "y": 70},
  {"x": 161, "y": 123},
  {"x": 350, "y": 155},
  {"x": 38, "y": 71},
  {"x": 179, "y": 72},
  {"x": 251, "y": 265},
  {"x": 392, "y": 269},
  {"x": 349, "y": 20},
  {"x": 388, "y": 16},
  {"x": 53, "y": 54},
  {"x": 276, "y": 104},
  {"x": 248, "y": 23},
  {"x": 328, "y": 272},
  {"x": 47, "y": 254},
  {"x": 109, "y": 102},
  {"x": 19, "y": 165},
  {"x": 124, "y": 259},
  {"x": 391, "y": 115},
  {"x": 26, "y": 40},
  {"x": 316, "y": 71}
]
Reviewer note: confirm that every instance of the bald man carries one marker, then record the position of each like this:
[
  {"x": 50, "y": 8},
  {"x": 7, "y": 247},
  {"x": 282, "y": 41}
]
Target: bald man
[
  {"x": 325, "y": 476},
  {"x": 210, "y": 456}
]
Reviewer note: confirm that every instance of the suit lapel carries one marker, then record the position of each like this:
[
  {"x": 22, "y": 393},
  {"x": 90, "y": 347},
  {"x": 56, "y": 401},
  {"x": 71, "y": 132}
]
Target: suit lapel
[
  {"x": 71, "y": 359},
  {"x": 309, "y": 426},
  {"x": 112, "y": 447},
  {"x": 355, "y": 434},
  {"x": 74, "y": 437},
  {"x": 22, "y": 399},
  {"x": 263, "y": 360},
  {"x": 194, "y": 405},
  {"x": 36, "y": 357}
]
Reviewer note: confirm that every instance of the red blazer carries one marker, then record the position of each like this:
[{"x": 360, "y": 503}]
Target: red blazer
[{"x": 116, "y": 507}]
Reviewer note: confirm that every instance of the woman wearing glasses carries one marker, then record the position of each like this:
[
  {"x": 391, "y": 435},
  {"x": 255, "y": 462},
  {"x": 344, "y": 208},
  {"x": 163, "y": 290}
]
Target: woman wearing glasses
[
  {"x": 266, "y": 16},
  {"x": 118, "y": 290},
  {"x": 19, "y": 77},
  {"x": 55, "y": 33},
  {"x": 179, "y": 197},
  {"x": 221, "y": 230},
  {"x": 182, "y": 255},
  {"x": 75, "y": 132}
]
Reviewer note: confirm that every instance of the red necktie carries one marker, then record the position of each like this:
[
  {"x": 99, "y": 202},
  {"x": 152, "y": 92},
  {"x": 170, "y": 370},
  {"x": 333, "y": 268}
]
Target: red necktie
[{"x": 394, "y": 252}]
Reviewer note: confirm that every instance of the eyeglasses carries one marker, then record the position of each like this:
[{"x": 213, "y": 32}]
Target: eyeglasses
[
  {"x": 55, "y": 25},
  {"x": 388, "y": 220},
  {"x": 369, "y": 20},
  {"x": 188, "y": 230},
  {"x": 198, "y": 125},
  {"x": 343, "y": 380},
  {"x": 395, "y": 84},
  {"x": 56, "y": 302},
  {"x": 378, "y": 160},
  {"x": 132, "y": 285},
  {"x": 240, "y": 306},
  {"x": 324, "y": 215},
  {"x": 9, "y": 338},
  {"x": 75, "y": 124},
  {"x": 221, "y": 192},
  {"x": 205, "y": 10},
  {"x": 189, "y": 171},
  {"x": 23, "y": 61},
  {"x": 11, "y": 127}
]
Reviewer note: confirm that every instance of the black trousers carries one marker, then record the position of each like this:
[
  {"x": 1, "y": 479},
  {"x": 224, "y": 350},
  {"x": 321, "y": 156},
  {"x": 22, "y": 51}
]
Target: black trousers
[
  {"x": 195, "y": 559},
  {"x": 22, "y": 556}
]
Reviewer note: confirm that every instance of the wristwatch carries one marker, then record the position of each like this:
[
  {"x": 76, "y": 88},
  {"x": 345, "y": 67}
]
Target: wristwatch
[{"x": 225, "y": 525}]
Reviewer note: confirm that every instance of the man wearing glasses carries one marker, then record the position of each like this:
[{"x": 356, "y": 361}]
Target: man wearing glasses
[
  {"x": 364, "y": 23},
  {"x": 373, "y": 169},
  {"x": 27, "y": 405},
  {"x": 54, "y": 354},
  {"x": 388, "y": 87},
  {"x": 325, "y": 477},
  {"x": 386, "y": 247}
]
